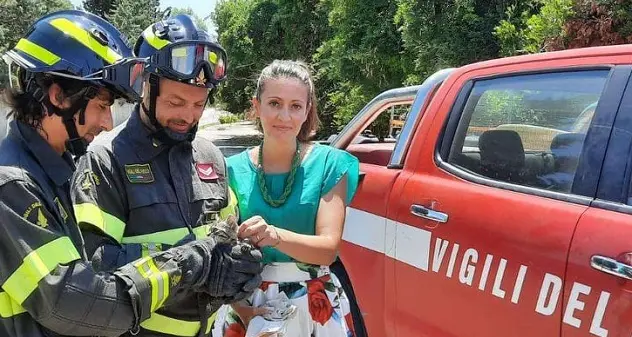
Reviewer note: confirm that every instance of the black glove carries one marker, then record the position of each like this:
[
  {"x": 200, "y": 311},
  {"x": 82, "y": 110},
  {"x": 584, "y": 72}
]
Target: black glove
[
  {"x": 235, "y": 271},
  {"x": 227, "y": 272}
]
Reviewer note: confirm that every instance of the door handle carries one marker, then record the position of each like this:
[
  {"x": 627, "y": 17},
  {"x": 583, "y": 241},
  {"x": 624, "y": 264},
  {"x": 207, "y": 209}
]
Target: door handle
[
  {"x": 361, "y": 176},
  {"x": 611, "y": 266},
  {"x": 427, "y": 213}
]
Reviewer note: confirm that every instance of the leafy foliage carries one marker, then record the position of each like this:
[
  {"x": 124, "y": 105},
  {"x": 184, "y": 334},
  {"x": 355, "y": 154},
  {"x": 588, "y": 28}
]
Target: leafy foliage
[
  {"x": 103, "y": 8},
  {"x": 131, "y": 17},
  {"x": 598, "y": 23},
  {"x": 359, "y": 48},
  {"x": 17, "y": 17},
  {"x": 362, "y": 57},
  {"x": 255, "y": 32},
  {"x": 227, "y": 119},
  {"x": 540, "y": 27}
]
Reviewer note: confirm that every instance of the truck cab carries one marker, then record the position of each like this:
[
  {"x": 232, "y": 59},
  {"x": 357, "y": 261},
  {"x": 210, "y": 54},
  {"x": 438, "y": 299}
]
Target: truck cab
[{"x": 504, "y": 206}]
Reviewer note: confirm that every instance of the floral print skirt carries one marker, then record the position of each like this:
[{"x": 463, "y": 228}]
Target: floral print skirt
[{"x": 322, "y": 306}]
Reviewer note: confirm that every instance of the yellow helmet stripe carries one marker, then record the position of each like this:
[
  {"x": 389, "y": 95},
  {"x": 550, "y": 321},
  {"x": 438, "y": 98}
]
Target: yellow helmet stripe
[
  {"x": 76, "y": 32},
  {"x": 37, "y": 52},
  {"x": 154, "y": 40}
]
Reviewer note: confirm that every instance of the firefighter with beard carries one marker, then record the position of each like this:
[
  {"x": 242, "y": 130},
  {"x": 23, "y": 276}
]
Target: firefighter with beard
[
  {"x": 65, "y": 72},
  {"x": 151, "y": 183}
]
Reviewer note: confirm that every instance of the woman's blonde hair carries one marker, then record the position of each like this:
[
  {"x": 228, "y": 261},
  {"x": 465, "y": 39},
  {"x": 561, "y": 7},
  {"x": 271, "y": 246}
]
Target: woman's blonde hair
[{"x": 296, "y": 70}]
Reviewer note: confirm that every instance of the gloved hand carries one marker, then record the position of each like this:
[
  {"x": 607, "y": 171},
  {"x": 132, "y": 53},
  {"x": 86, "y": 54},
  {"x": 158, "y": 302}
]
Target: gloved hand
[
  {"x": 235, "y": 271},
  {"x": 228, "y": 272}
]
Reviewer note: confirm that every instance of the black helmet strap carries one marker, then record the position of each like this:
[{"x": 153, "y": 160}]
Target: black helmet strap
[{"x": 75, "y": 144}]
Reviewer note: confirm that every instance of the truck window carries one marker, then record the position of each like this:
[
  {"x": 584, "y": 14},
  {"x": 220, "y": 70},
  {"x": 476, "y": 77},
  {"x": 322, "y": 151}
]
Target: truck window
[
  {"x": 528, "y": 129},
  {"x": 386, "y": 126},
  {"x": 375, "y": 144}
]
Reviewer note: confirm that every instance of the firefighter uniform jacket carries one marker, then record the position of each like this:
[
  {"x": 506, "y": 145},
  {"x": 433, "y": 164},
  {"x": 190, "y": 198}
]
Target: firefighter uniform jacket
[
  {"x": 133, "y": 196},
  {"x": 47, "y": 286}
]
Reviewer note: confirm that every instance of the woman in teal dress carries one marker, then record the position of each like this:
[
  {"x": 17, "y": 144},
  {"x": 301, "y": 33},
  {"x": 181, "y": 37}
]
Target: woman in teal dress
[{"x": 292, "y": 199}]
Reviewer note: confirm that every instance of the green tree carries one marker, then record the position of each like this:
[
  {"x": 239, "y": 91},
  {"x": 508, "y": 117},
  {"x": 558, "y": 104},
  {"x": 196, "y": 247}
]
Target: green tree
[
  {"x": 538, "y": 28},
  {"x": 188, "y": 11},
  {"x": 448, "y": 33},
  {"x": 18, "y": 16},
  {"x": 131, "y": 17},
  {"x": 362, "y": 57},
  {"x": 255, "y": 32},
  {"x": 303, "y": 27},
  {"x": 597, "y": 23},
  {"x": 103, "y": 8},
  {"x": 231, "y": 19}
]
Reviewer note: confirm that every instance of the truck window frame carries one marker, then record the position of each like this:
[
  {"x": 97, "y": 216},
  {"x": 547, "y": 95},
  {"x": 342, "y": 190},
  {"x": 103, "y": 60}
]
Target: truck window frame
[
  {"x": 615, "y": 186},
  {"x": 593, "y": 152},
  {"x": 423, "y": 97}
]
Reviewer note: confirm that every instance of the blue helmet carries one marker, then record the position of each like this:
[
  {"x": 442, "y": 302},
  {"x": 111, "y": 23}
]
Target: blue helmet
[
  {"x": 80, "y": 46},
  {"x": 176, "y": 49}
]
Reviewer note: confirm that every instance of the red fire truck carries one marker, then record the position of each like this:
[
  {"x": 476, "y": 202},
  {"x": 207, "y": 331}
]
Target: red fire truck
[{"x": 504, "y": 205}]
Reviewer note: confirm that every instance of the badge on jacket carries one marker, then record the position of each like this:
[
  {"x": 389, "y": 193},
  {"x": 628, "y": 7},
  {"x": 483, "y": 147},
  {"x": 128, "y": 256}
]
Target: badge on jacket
[
  {"x": 35, "y": 214},
  {"x": 206, "y": 171},
  {"x": 139, "y": 173},
  {"x": 62, "y": 210}
]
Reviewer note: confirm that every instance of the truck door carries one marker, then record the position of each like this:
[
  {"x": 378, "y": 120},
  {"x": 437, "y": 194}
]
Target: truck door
[
  {"x": 368, "y": 236},
  {"x": 366, "y": 224},
  {"x": 599, "y": 275},
  {"x": 484, "y": 226}
]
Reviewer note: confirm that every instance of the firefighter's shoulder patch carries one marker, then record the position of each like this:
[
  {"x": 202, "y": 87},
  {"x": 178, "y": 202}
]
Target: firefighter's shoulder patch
[
  {"x": 89, "y": 179},
  {"x": 35, "y": 214}
]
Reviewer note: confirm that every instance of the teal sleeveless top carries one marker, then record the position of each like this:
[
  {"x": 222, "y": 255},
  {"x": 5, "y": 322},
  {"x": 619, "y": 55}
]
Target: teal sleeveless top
[{"x": 319, "y": 172}]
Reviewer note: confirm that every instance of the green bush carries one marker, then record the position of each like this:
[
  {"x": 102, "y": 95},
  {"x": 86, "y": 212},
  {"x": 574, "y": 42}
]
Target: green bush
[{"x": 227, "y": 119}]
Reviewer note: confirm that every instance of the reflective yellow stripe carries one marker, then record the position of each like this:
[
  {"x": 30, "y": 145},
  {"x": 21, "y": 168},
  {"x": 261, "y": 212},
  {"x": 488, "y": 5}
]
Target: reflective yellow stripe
[
  {"x": 231, "y": 208},
  {"x": 159, "y": 281},
  {"x": 176, "y": 327},
  {"x": 202, "y": 231},
  {"x": 154, "y": 40},
  {"x": 76, "y": 32},
  {"x": 37, "y": 52},
  {"x": 93, "y": 215},
  {"x": 169, "y": 237},
  {"x": 211, "y": 320},
  {"x": 37, "y": 265},
  {"x": 9, "y": 307}
]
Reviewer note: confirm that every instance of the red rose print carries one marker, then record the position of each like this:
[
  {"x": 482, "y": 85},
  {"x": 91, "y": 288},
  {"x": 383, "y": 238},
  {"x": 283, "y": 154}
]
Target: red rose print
[
  {"x": 235, "y": 330},
  {"x": 264, "y": 285},
  {"x": 319, "y": 305},
  {"x": 315, "y": 285}
]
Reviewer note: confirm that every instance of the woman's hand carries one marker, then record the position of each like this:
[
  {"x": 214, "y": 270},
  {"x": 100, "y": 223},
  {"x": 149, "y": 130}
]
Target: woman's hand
[
  {"x": 247, "y": 313},
  {"x": 259, "y": 232}
]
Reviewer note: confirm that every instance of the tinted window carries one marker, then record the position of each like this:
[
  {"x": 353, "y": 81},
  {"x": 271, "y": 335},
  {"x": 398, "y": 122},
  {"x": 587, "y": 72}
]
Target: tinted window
[{"x": 529, "y": 129}]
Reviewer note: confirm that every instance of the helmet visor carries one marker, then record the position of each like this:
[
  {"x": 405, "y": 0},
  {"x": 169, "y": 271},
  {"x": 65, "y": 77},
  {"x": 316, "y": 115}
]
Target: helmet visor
[
  {"x": 126, "y": 77},
  {"x": 14, "y": 71},
  {"x": 200, "y": 63}
]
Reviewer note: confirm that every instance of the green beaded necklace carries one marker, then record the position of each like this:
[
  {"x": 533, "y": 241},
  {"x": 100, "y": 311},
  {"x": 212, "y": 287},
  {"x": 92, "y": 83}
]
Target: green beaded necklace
[{"x": 289, "y": 181}]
